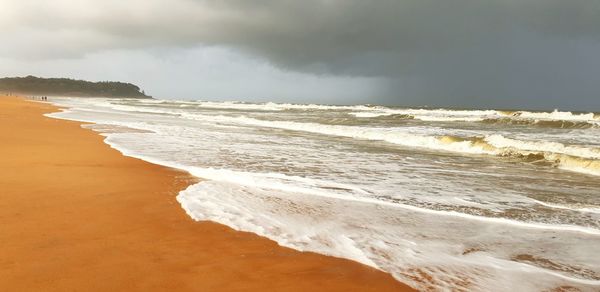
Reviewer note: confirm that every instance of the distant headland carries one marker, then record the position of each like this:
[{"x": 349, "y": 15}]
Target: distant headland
[{"x": 31, "y": 85}]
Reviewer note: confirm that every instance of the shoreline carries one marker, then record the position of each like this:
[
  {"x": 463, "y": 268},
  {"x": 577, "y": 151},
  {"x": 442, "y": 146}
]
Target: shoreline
[{"x": 78, "y": 214}]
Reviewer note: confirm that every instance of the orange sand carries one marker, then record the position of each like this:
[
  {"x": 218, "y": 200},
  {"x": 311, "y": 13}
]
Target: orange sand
[{"x": 76, "y": 215}]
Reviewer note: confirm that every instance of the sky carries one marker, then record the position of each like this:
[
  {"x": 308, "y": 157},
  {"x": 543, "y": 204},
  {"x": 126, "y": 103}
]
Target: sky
[{"x": 535, "y": 54}]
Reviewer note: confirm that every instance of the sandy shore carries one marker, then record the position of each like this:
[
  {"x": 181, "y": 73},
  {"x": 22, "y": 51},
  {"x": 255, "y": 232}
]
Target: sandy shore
[{"x": 78, "y": 216}]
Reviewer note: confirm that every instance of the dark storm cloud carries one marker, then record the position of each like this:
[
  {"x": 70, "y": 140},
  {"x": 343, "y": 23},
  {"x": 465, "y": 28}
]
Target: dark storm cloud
[{"x": 537, "y": 53}]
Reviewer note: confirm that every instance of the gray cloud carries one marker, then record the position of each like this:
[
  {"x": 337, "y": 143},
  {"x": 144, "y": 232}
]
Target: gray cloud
[
  {"x": 211, "y": 73},
  {"x": 507, "y": 53}
]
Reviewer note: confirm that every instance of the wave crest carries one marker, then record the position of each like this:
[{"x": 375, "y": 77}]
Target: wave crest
[
  {"x": 555, "y": 119},
  {"x": 573, "y": 158},
  {"x": 541, "y": 123}
]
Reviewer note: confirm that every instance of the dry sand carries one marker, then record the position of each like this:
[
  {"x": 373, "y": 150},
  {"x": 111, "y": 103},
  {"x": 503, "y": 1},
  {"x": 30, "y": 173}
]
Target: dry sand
[{"x": 76, "y": 215}]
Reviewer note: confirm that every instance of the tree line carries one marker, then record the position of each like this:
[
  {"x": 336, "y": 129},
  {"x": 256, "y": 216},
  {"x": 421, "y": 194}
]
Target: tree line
[{"x": 32, "y": 85}]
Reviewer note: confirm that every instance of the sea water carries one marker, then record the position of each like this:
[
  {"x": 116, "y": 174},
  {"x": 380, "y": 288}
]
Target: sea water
[{"x": 483, "y": 200}]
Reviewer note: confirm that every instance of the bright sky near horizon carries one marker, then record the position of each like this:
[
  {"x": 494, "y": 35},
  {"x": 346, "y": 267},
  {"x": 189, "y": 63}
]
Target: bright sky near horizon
[{"x": 540, "y": 54}]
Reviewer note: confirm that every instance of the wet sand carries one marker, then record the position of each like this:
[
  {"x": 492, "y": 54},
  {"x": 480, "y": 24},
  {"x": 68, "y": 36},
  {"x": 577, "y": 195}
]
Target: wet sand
[{"x": 79, "y": 216}]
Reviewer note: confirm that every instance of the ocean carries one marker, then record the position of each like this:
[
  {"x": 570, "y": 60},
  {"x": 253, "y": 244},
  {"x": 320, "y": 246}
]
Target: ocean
[{"x": 478, "y": 200}]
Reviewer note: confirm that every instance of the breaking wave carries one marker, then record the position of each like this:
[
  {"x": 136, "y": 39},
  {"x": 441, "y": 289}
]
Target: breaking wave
[
  {"x": 271, "y": 106},
  {"x": 572, "y": 158},
  {"x": 542, "y": 123},
  {"x": 555, "y": 119},
  {"x": 569, "y": 157}
]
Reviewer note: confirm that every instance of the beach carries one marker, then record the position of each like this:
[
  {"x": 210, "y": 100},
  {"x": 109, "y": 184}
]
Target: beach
[{"x": 77, "y": 215}]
